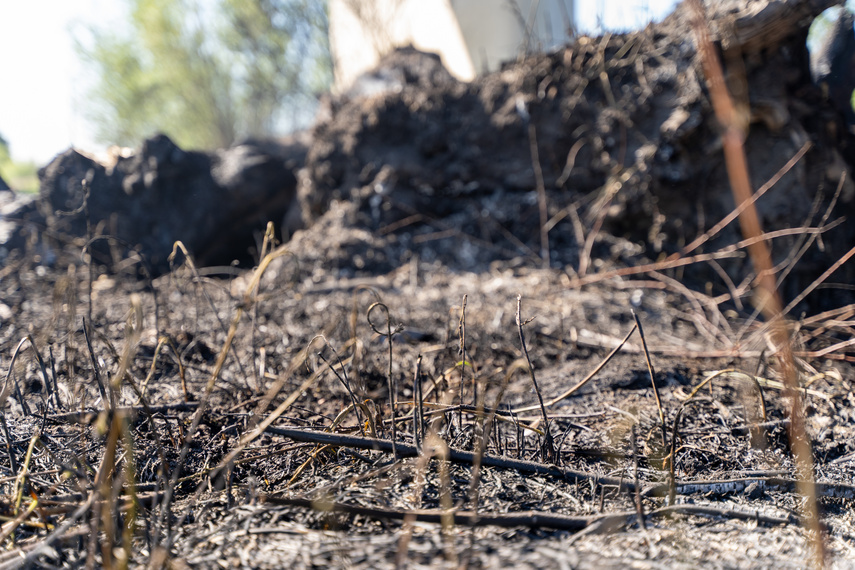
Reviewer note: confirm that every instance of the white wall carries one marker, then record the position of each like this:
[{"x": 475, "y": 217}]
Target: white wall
[{"x": 471, "y": 36}]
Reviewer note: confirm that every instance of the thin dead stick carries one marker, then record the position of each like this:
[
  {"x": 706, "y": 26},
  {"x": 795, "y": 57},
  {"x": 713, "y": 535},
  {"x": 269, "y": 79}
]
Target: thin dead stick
[
  {"x": 799, "y": 298},
  {"x": 419, "y": 408},
  {"x": 727, "y": 252},
  {"x": 454, "y": 455},
  {"x": 652, "y": 378},
  {"x": 548, "y": 446},
  {"x": 639, "y": 506},
  {"x": 808, "y": 240},
  {"x": 461, "y": 351},
  {"x": 585, "y": 380},
  {"x": 713, "y": 231},
  {"x": 89, "y": 418},
  {"x": 828, "y": 350},
  {"x": 731, "y": 486},
  {"x": 768, "y": 297},
  {"x": 530, "y": 519},
  {"x": 819, "y": 280},
  {"x": 95, "y": 368}
]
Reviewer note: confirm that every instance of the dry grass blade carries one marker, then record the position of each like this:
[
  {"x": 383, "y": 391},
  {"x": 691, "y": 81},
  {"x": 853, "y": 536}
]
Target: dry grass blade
[
  {"x": 767, "y": 294},
  {"x": 586, "y": 379},
  {"x": 218, "y": 366},
  {"x": 736, "y": 373},
  {"x": 652, "y": 379},
  {"x": 736, "y": 212}
]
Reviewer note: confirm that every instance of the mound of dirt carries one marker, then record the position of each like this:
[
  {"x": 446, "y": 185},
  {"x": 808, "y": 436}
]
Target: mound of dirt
[{"x": 605, "y": 153}]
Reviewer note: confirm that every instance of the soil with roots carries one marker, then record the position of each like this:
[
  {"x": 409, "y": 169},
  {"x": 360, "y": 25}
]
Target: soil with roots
[{"x": 221, "y": 416}]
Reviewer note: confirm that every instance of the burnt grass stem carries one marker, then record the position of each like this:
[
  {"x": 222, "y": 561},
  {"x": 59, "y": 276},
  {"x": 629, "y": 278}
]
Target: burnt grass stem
[
  {"x": 547, "y": 447},
  {"x": 419, "y": 410},
  {"x": 389, "y": 334},
  {"x": 344, "y": 382},
  {"x": 652, "y": 379}
]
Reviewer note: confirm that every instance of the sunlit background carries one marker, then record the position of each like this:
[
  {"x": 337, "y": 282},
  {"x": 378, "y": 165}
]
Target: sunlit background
[{"x": 44, "y": 84}]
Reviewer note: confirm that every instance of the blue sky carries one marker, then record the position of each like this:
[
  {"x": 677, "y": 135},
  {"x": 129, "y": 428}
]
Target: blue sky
[{"x": 43, "y": 85}]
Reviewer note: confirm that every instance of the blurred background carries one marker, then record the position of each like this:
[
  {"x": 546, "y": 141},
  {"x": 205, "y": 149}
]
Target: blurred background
[{"x": 97, "y": 73}]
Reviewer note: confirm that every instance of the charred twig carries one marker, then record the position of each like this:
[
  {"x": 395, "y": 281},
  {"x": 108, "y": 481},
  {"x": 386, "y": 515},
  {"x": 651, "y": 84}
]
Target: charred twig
[
  {"x": 652, "y": 379},
  {"x": 639, "y": 507},
  {"x": 454, "y": 455},
  {"x": 728, "y": 486},
  {"x": 530, "y": 519},
  {"x": 419, "y": 409},
  {"x": 461, "y": 351},
  {"x": 95, "y": 367},
  {"x": 548, "y": 446},
  {"x": 342, "y": 378},
  {"x": 88, "y": 418}
]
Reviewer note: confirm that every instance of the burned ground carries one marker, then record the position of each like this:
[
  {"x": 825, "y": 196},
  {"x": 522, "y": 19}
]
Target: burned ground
[{"x": 421, "y": 206}]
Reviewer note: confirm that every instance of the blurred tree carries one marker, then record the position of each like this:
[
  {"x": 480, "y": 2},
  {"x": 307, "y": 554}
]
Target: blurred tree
[
  {"x": 22, "y": 176},
  {"x": 207, "y": 72},
  {"x": 4, "y": 149}
]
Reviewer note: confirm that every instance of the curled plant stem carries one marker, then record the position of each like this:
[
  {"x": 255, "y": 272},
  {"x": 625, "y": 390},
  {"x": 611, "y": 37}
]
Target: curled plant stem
[
  {"x": 389, "y": 334},
  {"x": 342, "y": 378}
]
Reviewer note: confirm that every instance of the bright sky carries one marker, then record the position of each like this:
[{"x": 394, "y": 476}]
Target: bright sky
[
  {"x": 41, "y": 90},
  {"x": 43, "y": 84}
]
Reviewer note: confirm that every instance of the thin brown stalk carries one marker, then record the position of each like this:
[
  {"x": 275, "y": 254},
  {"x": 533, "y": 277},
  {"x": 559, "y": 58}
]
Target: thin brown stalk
[
  {"x": 585, "y": 380},
  {"x": 768, "y": 297},
  {"x": 639, "y": 507},
  {"x": 547, "y": 447},
  {"x": 393, "y": 396},
  {"x": 728, "y": 252},
  {"x": 819, "y": 280},
  {"x": 461, "y": 352},
  {"x": 652, "y": 378},
  {"x": 713, "y": 231}
]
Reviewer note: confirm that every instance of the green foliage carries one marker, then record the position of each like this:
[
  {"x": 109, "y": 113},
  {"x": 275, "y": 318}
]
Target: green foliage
[
  {"x": 20, "y": 176},
  {"x": 207, "y": 72}
]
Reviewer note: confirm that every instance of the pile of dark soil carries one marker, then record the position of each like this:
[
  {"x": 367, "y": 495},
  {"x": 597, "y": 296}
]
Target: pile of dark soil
[{"x": 212, "y": 416}]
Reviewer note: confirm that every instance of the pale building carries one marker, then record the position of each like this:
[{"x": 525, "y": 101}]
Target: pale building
[{"x": 471, "y": 36}]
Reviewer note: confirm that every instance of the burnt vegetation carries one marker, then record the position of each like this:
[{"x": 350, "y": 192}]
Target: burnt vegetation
[{"x": 514, "y": 320}]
